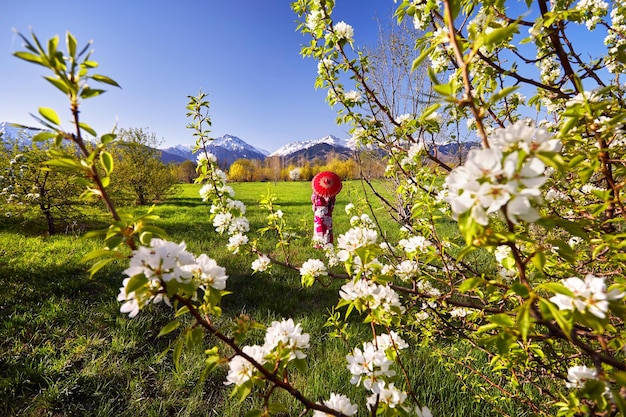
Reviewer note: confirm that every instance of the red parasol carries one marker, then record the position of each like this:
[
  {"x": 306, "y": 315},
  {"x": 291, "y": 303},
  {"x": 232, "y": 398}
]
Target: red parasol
[{"x": 326, "y": 184}]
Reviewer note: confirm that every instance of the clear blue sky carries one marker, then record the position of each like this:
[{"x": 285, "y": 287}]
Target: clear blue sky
[{"x": 243, "y": 53}]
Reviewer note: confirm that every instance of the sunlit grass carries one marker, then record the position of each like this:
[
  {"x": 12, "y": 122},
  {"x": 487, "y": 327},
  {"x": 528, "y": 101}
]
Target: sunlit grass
[{"x": 65, "y": 349}]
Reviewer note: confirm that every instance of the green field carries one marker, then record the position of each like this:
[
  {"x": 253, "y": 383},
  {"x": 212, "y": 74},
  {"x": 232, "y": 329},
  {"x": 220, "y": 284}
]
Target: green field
[{"x": 66, "y": 350}]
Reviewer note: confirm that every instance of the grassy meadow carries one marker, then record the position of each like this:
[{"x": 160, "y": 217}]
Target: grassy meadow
[{"x": 66, "y": 350}]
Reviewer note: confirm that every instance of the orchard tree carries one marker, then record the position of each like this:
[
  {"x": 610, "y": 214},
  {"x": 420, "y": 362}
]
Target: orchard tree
[
  {"x": 186, "y": 171},
  {"x": 141, "y": 175},
  {"x": 30, "y": 188}
]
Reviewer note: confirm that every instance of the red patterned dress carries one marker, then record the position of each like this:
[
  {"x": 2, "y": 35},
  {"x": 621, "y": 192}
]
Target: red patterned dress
[{"x": 322, "y": 220}]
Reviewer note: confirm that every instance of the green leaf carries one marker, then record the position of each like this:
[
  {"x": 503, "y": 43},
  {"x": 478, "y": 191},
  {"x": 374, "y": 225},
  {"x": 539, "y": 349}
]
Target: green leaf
[
  {"x": 107, "y": 162},
  {"x": 443, "y": 89},
  {"x": 425, "y": 54},
  {"x": 43, "y": 136},
  {"x": 27, "y": 56},
  {"x": 145, "y": 237},
  {"x": 178, "y": 350},
  {"x": 114, "y": 241},
  {"x": 90, "y": 92},
  {"x": 470, "y": 284},
  {"x": 63, "y": 163},
  {"x": 88, "y": 129},
  {"x": 107, "y": 138},
  {"x": 254, "y": 413},
  {"x": 99, "y": 265},
  {"x": 520, "y": 289},
  {"x": 524, "y": 320},
  {"x": 496, "y": 36},
  {"x": 96, "y": 254},
  {"x": 70, "y": 41},
  {"x": 105, "y": 79},
  {"x": 58, "y": 83},
  {"x": 50, "y": 115},
  {"x": 307, "y": 280},
  {"x": 53, "y": 46},
  {"x": 242, "y": 391},
  {"x": 169, "y": 327},
  {"x": 503, "y": 93},
  {"x": 502, "y": 320},
  {"x": 557, "y": 315},
  {"x": 539, "y": 260},
  {"x": 556, "y": 287},
  {"x": 212, "y": 358},
  {"x": 135, "y": 283}
]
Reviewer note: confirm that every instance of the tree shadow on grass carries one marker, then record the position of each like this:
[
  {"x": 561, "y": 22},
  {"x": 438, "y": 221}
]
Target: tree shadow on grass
[{"x": 260, "y": 296}]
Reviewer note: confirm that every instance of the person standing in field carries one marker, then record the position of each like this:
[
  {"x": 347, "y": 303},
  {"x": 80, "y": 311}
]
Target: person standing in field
[{"x": 326, "y": 185}]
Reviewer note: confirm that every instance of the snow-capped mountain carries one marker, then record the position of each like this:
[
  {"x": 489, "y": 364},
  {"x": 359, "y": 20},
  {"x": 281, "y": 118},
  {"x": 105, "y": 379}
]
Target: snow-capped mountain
[
  {"x": 227, "y": 149},
  {"x": 18, "y": 135},
  {"x": 309, "y": 150},
  {"x": 233, "y": 143},
  {"x": 295, "y": 147}
]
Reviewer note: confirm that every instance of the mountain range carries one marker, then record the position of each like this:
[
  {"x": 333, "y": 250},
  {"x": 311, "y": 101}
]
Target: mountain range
[{"x": 229, "y": 148}]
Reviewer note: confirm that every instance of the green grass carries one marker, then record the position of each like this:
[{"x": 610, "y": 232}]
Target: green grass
[{"x": 65, "y": 349}]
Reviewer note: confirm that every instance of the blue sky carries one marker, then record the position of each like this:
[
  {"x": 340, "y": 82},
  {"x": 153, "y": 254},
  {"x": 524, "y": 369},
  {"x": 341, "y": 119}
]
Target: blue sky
[{"x": 243, "y": 53}]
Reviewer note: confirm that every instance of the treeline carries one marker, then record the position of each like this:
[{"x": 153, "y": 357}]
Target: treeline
[{"x": 276, "y": 169}]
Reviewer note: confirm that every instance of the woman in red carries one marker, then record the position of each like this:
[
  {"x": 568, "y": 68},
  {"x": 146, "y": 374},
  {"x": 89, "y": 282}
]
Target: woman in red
[
  {"x": 326, "y": 185},
  {"x": 322, "y": 220}
]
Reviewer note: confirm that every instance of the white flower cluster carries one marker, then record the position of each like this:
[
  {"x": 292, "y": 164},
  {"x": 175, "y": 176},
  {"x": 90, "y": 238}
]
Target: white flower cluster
[
  {"x": 261, "y": 264},
  {"x": 549, "y": 67},
  {"x": 340, "y": 403},
  {"x": 162, "y": 262},
  {"x": 415, "y": 245},
  {"x": 313, "y": 268},
  {"x": 363, "y": 221},
  {"x": 414, "y": 153},
  {"x": 372, "y": 295},
  {"x": 354, "y": 238},
  {"x": 507, "y": 176},
  {"x": 228, "y": 214},
  {"x": 314, "y": 19},
  {"x": 282, "y": 339},
  {"x": 344, "y": 31},
  {"x": 593, "y": 10},
  {"x": 615, "y": 39},
  {"x": 371, "y": 366},
  {"x": 421, "y": 18},
  {"x": 353, "y": 97},
  {"x": 506, "y": 267},
  {"x": 579, "y": 374},
  {"x": 324, "y": 66},
  {"x": 588, "y": 295}
]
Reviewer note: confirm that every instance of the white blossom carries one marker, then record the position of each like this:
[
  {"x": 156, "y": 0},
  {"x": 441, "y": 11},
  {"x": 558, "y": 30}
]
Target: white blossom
[
  {"x": 313, "y": 267},
  {"x": 344, "y": 31},
  {"x": 236, "y": 241},
  {"x": 261, "y": 263},
  {"x": 287, "y": 335},
  {"x": 240, "y": 370},
  {"x": 579, "y": 374},
  {"x": 386, "y": 394},
  {"x": 208, "y": 272},
  {"x": 338, "y": 402},
  {"x": 368, "y": 365},
  {"x": 589, "y": 295}
]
